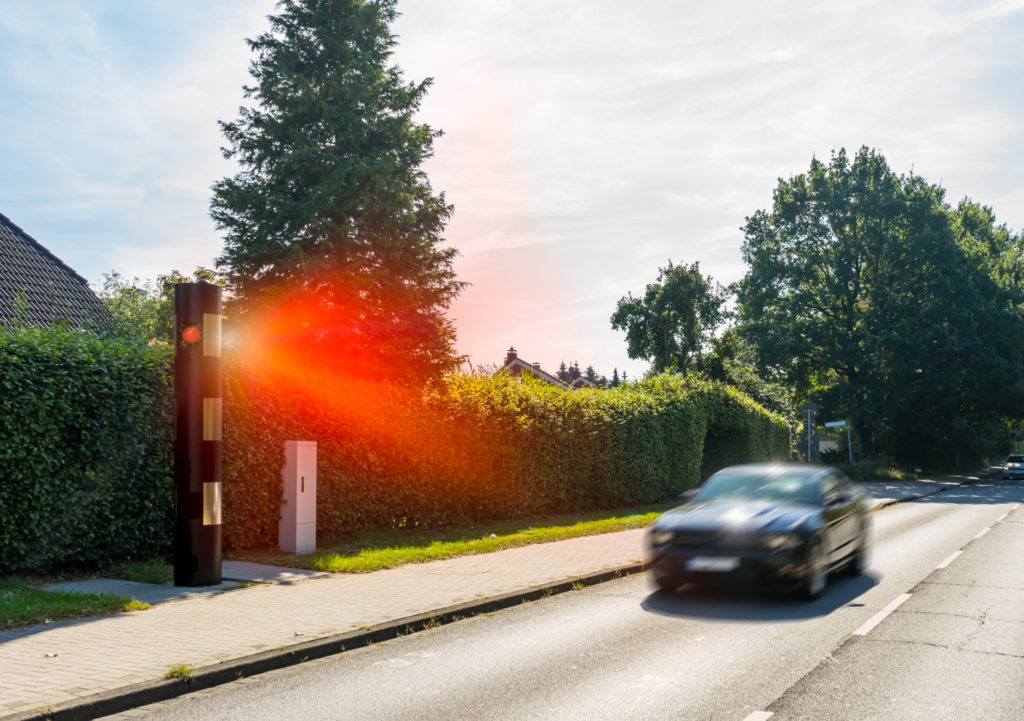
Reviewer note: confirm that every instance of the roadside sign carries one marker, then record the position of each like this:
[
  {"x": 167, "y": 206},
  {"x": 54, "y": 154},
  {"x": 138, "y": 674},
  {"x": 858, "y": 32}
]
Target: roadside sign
[{"x": 849, "y": 440}]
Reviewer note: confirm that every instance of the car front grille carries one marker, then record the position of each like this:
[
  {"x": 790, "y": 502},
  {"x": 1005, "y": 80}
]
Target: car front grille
[
  {"x": 718, "y": 540},
  {"x": 694, "y": 540}
]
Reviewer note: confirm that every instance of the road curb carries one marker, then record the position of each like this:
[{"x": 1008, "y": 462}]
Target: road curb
[{"x": 149, "y": 692}]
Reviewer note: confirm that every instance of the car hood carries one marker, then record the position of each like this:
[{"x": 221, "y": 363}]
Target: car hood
[{"x": 747, "y": 516}]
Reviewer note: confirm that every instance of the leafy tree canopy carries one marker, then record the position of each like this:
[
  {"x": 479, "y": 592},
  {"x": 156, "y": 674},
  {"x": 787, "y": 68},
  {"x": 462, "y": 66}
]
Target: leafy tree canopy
[
  {"x": 733, "y": 361},
  {"x": 674, "y": 320},
  {"x": 331, "y": 224},
  {"x": 145, "y": 310},
  {"x": 867, "y": 292}
]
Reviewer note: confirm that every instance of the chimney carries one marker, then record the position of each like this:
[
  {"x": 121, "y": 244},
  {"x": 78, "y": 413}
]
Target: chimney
[{"x": 510, "y": 356}]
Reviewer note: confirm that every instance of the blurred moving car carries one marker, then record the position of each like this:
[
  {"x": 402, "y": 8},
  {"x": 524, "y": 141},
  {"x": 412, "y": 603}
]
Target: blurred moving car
[
  {"x": 1013, "y": 466},
  {"x": 785, "y": 525}
]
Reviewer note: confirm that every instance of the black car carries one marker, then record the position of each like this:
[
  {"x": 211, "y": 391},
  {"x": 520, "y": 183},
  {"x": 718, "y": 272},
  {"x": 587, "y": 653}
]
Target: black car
[{"x": 784, "y": 525}]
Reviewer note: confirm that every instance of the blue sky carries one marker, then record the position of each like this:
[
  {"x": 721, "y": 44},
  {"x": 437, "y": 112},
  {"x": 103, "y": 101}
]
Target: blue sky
[{"x": 586, "y": 143}]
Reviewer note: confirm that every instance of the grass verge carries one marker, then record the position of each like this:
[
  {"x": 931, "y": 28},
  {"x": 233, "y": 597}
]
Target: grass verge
[
  {"x": 367, "y": 551},
  {"x": 156, "y": 571},
  {"x": 876, "y": 470},
  {"x": 21, "y": 604}
]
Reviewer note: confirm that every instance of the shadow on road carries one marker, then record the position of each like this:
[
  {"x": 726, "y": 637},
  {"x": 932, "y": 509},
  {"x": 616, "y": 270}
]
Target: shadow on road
[{"x": 753, "y": 605}]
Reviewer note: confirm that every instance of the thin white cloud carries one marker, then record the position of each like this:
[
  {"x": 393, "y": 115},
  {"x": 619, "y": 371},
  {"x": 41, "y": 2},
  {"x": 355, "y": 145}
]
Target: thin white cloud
[
  {"x": 124, "y": 154},
  {"x": 585, "y": 144},
  {"x": 650, "y": 131}
]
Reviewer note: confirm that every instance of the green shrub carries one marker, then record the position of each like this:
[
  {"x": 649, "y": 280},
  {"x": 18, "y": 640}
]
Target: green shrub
[
  {"x": 475, "y": 447},
  {"x": 86, "y": 433},
  {"x": 85, "y": 449},
  {"x": 876, "y": 469}
]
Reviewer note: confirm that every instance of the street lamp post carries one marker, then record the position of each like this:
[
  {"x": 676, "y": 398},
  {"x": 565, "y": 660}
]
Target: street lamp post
[{"x": 810, "y": 408}]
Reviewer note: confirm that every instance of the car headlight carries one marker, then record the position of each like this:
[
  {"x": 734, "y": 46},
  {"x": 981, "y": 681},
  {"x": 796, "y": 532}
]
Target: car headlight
[
  {"x": 779, "y": 541},
  {"x": 660, "y": 538}
]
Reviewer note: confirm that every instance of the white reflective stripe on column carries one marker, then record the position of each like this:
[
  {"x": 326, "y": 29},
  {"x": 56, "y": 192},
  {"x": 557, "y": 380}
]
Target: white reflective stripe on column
[
  {"x": 211, "y": 504},
  {"x": 212, "y": 419},
  {"x": 211, "y": 334}
]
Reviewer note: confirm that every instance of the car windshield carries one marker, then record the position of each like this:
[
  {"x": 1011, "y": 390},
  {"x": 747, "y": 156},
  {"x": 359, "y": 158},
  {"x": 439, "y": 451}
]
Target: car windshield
[
  {"x": 1015, "y": 459},
  {"x": 792, "y": 487}
]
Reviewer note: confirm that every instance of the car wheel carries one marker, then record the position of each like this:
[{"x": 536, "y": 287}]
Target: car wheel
[
  {"x": 667, "y": 584},
  {"x": 817, "y": 572}
]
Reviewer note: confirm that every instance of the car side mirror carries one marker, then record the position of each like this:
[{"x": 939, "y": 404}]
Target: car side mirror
[{"x": 687, "y": 495}]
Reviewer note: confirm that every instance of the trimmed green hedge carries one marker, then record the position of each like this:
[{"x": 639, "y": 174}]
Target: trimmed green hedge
[
  {"x": 86, "y": 457},
  {"x": 476, "y": 447},
  {"x": 85, "y": 449}
]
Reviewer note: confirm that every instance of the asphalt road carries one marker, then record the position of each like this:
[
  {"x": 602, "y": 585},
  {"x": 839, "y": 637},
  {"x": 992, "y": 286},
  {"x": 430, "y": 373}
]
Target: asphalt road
[{"x": 940, "y": 643}]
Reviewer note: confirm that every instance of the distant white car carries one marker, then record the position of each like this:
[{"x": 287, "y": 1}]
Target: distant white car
[{"x": 1013, "y": 467}]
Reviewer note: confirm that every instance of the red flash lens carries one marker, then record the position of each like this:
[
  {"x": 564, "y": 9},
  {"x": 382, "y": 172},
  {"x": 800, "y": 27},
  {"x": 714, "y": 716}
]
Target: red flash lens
[{"x": 190, "y": 334}]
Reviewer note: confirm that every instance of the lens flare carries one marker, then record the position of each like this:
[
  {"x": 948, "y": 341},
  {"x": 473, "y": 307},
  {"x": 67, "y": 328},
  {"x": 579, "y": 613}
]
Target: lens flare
[{"x": 341, "y": 371}]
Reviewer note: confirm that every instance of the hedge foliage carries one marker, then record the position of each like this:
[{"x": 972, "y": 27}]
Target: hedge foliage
[
  {"x": 86, "y": 457},
  {"x": 476, "y": 447},
  {"x": 85, "y": 449}
]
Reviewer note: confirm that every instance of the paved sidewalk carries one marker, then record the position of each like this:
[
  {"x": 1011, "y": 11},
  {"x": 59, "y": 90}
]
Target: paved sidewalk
[{"x": 90, "y": 667}]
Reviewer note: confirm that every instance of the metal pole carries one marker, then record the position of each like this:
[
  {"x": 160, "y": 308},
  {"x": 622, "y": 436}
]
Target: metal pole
[
  {"x": 807, "y": 430},
  {"x": 197, "y": 446},
  {"x": 849, "y": 442}
]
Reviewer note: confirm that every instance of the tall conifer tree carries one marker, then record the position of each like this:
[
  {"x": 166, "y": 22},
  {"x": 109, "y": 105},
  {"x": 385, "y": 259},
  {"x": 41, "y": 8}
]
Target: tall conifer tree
[{"x": 331, "y": 215}]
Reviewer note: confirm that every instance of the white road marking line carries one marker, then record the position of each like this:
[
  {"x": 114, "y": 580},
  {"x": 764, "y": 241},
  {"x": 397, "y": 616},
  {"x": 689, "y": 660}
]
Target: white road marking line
[
  {"x": 759, "y": 716},
  {"x": 1000, "y": 519},
  {"x": 880, "y": 616},
  {"x": 982, "y": 533},
  {"x": 948, "y": 561}
]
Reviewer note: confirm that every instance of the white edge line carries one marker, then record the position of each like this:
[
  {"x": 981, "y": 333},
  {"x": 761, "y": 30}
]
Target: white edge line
[
  {"x": 982, "y": 533},
  {"x": 1000, "y": 519},
  {"x": 880, "y": 616},
  {"x": 759, "y": 716},
  {"x": 948, "y": 560}
]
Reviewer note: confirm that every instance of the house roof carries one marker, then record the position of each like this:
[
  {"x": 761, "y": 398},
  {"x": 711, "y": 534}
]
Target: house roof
[
  {"x": 37, "y": 288},
  {"x": 518, "y": 364}
]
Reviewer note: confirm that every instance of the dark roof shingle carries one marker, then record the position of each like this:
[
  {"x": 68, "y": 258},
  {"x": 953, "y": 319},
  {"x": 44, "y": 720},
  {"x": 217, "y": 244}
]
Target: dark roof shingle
[{"x": 37, "y": 288}]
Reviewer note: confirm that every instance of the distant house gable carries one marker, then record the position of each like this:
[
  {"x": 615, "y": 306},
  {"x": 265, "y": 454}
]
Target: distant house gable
[
  {"x": 37, "y": 288},
  {"x": 515, "y": 365},
  {"x": 581, "y": 382}
]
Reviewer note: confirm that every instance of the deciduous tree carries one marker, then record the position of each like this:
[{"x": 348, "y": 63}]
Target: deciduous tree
[
  {"x": 145, "y": 310},
  {"x": 864, "y": 293},
  {"x": 674, "y": 320}
]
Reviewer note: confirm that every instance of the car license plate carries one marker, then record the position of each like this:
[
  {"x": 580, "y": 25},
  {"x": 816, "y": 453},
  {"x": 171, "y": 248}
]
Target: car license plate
[{"x": 712, "y": 563}]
